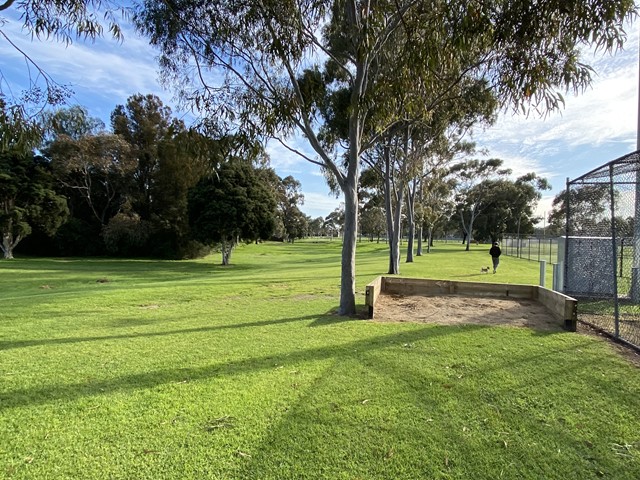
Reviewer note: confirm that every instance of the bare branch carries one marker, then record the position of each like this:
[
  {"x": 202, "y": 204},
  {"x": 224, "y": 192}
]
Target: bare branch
[{"x": 6, "y": 4}]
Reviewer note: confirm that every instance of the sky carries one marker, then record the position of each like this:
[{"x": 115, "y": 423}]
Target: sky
[{"x": 595, "y": 127}]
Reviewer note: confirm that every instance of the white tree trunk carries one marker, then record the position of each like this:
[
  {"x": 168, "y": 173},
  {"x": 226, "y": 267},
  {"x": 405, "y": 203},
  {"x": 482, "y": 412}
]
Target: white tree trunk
[
  {"x": 411, "y": 199},
  {"x": 8, "y": 244},
  {"x": 393, "y": 217},
  {"x": 348, "y": 273},
  {"x": 468, "y": 227},
  {"x": 226, "y": 247},
  {"x": 394, "y": 235},
  {"x": 419, "y": 235}
]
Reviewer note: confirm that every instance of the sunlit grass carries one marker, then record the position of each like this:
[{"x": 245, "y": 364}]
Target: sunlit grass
[{"x": 136, "y": 369}]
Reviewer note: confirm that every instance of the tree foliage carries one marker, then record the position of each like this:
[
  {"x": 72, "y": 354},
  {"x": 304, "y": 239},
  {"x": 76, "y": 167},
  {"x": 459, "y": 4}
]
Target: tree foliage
[
  {"x": 256, "y": 63},
  {"x": 97, "y": 168},
  {"x": 473, "y": 192},
  {"x": 293, "y": 223},
  {"x": 235, "y": 204},
  {"x": 18, "y": 133},
  {"x": 509, "y": 206},
  {"x": 27, "y": 199},
  {"x": 146, "y": 124},
  {"x": 61, "y": 21},
  {"x": 589, "y": 205}
]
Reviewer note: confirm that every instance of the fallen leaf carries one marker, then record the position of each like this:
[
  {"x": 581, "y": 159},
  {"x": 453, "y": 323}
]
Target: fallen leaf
[{"x": 242, "y": 454}]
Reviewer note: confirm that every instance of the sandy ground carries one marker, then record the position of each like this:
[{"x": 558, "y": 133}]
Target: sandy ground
[{"x": 457, "y": 310}]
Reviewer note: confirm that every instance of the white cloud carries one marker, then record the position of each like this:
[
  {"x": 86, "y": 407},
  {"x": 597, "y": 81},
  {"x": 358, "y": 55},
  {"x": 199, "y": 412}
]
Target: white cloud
[
  {"x": 284, "y": 160},
  {"x": 595, "y": 126},
  {"x": 318, "y": 204},
  {"x": 543, "y": 209},
  {"x": 102, "y": 73},
  {"x": 520, "y": 165}
]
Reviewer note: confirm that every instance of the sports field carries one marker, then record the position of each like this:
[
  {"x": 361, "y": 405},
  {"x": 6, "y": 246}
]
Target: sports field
[{"x": 138, "y": 369}]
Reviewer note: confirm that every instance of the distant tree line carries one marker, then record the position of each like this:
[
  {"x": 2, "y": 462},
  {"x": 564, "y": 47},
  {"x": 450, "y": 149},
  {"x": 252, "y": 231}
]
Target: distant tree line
[
  {"x": 148, "y": 186},
  {"x": 151, "y": 187},
  {"x": 392, "y": 87}
]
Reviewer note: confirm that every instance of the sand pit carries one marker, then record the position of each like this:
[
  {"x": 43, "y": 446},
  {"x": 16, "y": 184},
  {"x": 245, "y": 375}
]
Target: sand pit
[
  {"x": 461, "y": 309},
  {"x": 452, "y": 302}
]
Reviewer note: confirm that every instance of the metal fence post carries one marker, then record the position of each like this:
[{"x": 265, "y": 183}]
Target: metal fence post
[
  {"x": 543, "y": 272},
  {"x": 567, "y": 201},
  {"x": 558, "y": 281},
  {"x": 621, "y": 255},
  {"x": 614, "y": 249}
]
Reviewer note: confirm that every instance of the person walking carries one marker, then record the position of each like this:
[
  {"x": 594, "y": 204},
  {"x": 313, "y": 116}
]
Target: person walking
[{"x": 495, "y": 253}]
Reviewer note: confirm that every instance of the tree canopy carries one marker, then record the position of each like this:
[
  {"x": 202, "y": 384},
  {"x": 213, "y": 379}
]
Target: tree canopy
[
  {"x": 61, "y": 21},
  {"x": 28, "y": 199},
  {"x": 233, "y": 205},
  {"x": 274, "y": 67}
]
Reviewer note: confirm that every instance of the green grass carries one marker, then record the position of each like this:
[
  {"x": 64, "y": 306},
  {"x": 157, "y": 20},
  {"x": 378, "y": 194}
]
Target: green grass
[{"x": 190, "y": 370}]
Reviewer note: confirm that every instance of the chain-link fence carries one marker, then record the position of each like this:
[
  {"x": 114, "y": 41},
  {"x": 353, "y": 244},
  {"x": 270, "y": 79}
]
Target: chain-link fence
[
  {"x": 601, "y": 249},
  {"x": 530, "y": 247}
]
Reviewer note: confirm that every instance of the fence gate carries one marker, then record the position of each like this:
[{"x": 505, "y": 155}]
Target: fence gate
[{"x": 601, "y": 249}]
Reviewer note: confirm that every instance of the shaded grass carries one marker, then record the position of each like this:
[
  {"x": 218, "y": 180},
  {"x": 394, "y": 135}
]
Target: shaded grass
[{"x": 193, "y": 370}]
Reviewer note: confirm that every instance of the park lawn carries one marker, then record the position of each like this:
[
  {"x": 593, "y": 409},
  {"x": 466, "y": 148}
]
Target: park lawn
[{"x": 137, "y": 369}]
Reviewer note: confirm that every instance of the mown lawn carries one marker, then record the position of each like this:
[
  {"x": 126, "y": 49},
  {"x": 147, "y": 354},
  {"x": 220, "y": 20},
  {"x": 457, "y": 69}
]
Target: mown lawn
[{"x": 136, "y": 369}]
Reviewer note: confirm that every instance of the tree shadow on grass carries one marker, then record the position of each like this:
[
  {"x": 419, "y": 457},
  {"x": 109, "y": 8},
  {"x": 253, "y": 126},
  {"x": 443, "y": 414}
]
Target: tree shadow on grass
[
  {"x": 458, "y": 427},
  {"x": 332, "y": 317},
  {"x": 139, "y": 381},
  {"x": 318, "y": 320}
]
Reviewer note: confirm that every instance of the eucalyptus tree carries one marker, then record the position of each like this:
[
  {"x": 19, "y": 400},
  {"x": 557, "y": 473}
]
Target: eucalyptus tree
[
  {"x": 258, "y": 64},
  {"x": 95, "y": 167},
  {"x": 17, "y": 131},
  {"x": 73, "y": 122},
  {"x": 372, "y": 222},
  {"x": 147, "y": 125},
  {"x": 234, "y": 204},
  {"x": 510, "y": 206},
  {"x": 428, "y": 181},
  {"x": 435, "y": 204},
  {"x": 61, "y": 21},
  {"x": 473, "y": 190},
  {"x": 527, "y": 193},
  {"x": 292, "y": 222},
  {"x": 28, "y": 199},
  {"x": 316, "y": 226},
  {"x": 334, "y": 222},
  {"x": 588, "y": 207},
  {"x": 406, "y": 163}
]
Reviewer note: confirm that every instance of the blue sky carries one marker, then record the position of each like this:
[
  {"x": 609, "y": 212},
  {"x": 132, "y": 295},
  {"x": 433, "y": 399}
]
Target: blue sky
[{"x": 595, "y": 127}]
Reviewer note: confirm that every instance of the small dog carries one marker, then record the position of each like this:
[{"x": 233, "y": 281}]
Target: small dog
[{"x": 484, "y": 269}]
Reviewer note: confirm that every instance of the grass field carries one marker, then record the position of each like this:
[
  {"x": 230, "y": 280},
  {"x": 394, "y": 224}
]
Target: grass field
[{"x": 136, "y": 369}]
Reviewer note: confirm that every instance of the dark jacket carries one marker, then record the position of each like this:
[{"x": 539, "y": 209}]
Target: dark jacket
[{"x": 495, "y": 251}]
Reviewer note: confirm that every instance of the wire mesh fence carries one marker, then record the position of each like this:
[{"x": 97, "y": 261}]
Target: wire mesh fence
[
  {"x": 601, "y": 249},
  {"x": 530, "y": 247}
]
